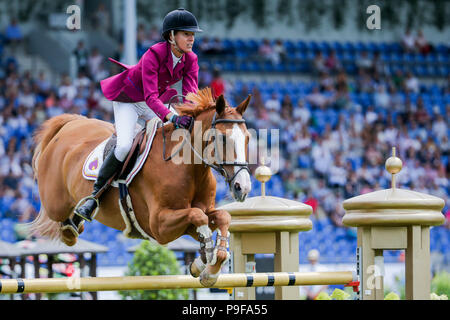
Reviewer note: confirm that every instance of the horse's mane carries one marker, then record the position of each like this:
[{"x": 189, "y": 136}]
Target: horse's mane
[{"x": 200, "y": 102}]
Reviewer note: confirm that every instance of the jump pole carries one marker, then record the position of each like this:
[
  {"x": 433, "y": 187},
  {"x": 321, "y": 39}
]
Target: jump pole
[{"x": 73, "y": 284}]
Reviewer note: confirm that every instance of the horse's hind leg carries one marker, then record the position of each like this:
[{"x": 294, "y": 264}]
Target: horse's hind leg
[{"x": 71, "y": 229}]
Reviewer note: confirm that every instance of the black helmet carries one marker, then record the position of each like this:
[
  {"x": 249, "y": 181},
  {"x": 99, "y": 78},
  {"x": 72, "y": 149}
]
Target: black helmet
[{"x": 180, "y": 19}]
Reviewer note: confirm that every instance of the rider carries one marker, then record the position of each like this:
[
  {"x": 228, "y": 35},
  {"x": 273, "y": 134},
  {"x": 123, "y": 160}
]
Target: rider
[{"x": 141, "y": 91}]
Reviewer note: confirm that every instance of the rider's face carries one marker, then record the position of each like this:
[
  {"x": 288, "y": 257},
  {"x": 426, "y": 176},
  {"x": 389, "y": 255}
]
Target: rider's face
[{"x": 185, "y": 40}]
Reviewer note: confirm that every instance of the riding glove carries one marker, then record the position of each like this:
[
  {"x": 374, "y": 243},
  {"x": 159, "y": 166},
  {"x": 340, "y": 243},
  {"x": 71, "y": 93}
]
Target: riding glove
[{"x": 184, "y": 122}]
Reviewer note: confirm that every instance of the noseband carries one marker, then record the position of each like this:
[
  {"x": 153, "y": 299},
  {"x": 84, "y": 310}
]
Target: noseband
[{"x": 219, "y": 166}]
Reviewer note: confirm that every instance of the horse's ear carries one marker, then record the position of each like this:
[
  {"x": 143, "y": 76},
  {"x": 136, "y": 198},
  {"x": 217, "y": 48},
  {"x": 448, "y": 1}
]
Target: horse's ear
[
  {"x": 243, "y": 106},
  {"x": 220, "y": 104}
]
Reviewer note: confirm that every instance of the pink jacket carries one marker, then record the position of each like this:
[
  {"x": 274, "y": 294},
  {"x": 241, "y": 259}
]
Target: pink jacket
[{"x": 151, "y": 78}]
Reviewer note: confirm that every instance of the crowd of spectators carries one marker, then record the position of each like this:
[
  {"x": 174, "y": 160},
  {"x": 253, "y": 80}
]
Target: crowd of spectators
[
  {"x": 418, "y": 43},
  {"x": 322, "y": 163},
  {"x": 25, "y": 103}
]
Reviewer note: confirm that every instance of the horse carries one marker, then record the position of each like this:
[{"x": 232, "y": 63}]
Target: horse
[{"x": 169, "y": 199}]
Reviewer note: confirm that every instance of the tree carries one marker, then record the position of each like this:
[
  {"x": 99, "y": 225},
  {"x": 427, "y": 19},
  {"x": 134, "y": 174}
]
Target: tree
[{"x": 151, "y": 260}]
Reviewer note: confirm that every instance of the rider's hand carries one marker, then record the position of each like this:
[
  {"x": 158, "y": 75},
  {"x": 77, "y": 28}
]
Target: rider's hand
[{"x": 184, "y": 122}]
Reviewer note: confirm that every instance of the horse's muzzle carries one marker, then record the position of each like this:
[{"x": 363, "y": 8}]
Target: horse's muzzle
[{"x": 238, "y": 193}]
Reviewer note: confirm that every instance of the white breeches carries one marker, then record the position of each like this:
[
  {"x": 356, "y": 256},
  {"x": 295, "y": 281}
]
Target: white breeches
[{"x": 126, "y": 116}]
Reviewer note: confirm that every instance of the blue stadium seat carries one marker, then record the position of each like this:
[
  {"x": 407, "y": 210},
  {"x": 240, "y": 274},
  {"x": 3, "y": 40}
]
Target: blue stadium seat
[
  {"x": 301, "y": 45},
  {"x": 289, "y": 46},
  {"x": 396, "y": 47},
  {"x": 267, "y": 66},
  {"x": 442, "y": 48},
  {"x": 408, "y": 58},
  {"x": 373, "y": 47},
  {"x": 324, "y": 46},
  {"x": 384, "y": 47},
  {"x": 419, "y": 58},
  {"x": 360, "y": 46},
  {"x": 349, "y": 46},
  {"x": 431, "y": 58},
  {"x": 301, "y": 55},
  {"x": 349, "y": 55},
  {"x": 337, "y": 46},
  {"x": 312, "y": 46},
  {"x": 230, "y": 66},
  {"x": 253, "y": 45},
  {"x": 228, "y": 46}
]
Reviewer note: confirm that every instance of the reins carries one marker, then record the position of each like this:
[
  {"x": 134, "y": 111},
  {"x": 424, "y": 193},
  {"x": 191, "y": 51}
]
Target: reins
[{"x": 220, "y": 164}]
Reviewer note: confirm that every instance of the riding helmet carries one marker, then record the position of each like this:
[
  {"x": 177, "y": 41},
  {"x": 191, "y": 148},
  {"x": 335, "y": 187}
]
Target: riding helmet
[{"x": 179, "y": 19}]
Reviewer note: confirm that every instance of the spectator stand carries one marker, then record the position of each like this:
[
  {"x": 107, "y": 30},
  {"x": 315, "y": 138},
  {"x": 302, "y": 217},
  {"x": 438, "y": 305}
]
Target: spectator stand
[
  {"x": 296, "y": 82},
  {"x": 241, "y": 55},
  {"x": 57, "y": 259}
]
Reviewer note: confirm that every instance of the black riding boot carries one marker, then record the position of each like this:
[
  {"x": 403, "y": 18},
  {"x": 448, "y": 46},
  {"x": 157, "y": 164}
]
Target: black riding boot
[{"x": 109, "y": 167}]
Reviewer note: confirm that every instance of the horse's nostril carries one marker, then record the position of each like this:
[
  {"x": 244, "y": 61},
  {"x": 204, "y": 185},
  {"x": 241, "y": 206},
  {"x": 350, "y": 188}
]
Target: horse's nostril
[{"x": 237, "y": 187}]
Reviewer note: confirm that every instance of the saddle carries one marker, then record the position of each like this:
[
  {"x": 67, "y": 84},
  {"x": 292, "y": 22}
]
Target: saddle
[{"x": 137, "y": 148}]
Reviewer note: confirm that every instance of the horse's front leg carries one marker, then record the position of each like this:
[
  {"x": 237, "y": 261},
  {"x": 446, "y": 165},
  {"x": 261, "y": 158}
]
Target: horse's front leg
[
  {"x": 220, "y": 220},
  {"x": 169, "y": 225}
]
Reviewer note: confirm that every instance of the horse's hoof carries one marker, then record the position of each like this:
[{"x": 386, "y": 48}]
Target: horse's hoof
[
  {"x": 207, "y": 279},
  {"x": 68, "y": 238},
  {"x": 196, "y": 267},
  {"x": 194, "y": 271}
]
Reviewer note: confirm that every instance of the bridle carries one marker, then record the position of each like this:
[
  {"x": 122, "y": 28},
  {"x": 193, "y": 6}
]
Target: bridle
[{"x": 219, "y": 165}]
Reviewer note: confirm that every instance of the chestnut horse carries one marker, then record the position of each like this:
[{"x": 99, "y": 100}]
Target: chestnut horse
[{"x": 169, "y": 199}]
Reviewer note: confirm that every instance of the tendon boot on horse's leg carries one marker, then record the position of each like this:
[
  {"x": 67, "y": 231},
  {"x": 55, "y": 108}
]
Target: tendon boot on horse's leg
[
  {"x": 206, "y": 251},
  {"x": 210, "y": 273},
  {"x": 109, "y": 167},
  {"x": 206, "y": 243}
]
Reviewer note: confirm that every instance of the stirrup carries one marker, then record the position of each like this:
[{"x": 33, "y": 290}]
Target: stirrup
[{"x": 82, "y": 201}]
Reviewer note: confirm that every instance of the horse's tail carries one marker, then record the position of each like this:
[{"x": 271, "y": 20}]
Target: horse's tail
[
  {"x": 46, "y": 132},
  {"x": 43, "y": 226}
]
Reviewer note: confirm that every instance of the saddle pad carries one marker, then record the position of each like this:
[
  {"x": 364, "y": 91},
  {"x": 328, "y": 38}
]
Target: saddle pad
[{"x": 94, "y": 161}]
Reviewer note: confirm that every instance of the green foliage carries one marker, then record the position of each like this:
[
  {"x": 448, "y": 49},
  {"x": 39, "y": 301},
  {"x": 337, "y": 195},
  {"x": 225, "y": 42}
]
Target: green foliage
[
  {"x": 434, "y": 296},
  {"x": 339, "y": 294},
  {"x": 338, "y": 13},
  {"x": 152, "y": 260},
  {"x": 440, "y": 13},
  {"x": 258, "y": 12},
  {"x": 440, "y": 288},
  {"x": 323, "y": 296},
  {"x": 232, "y": 10},
  {"x": 441, "y": 284},
  {"x": 392, "y": 296},
  {"x": 397, "y": 288}
]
